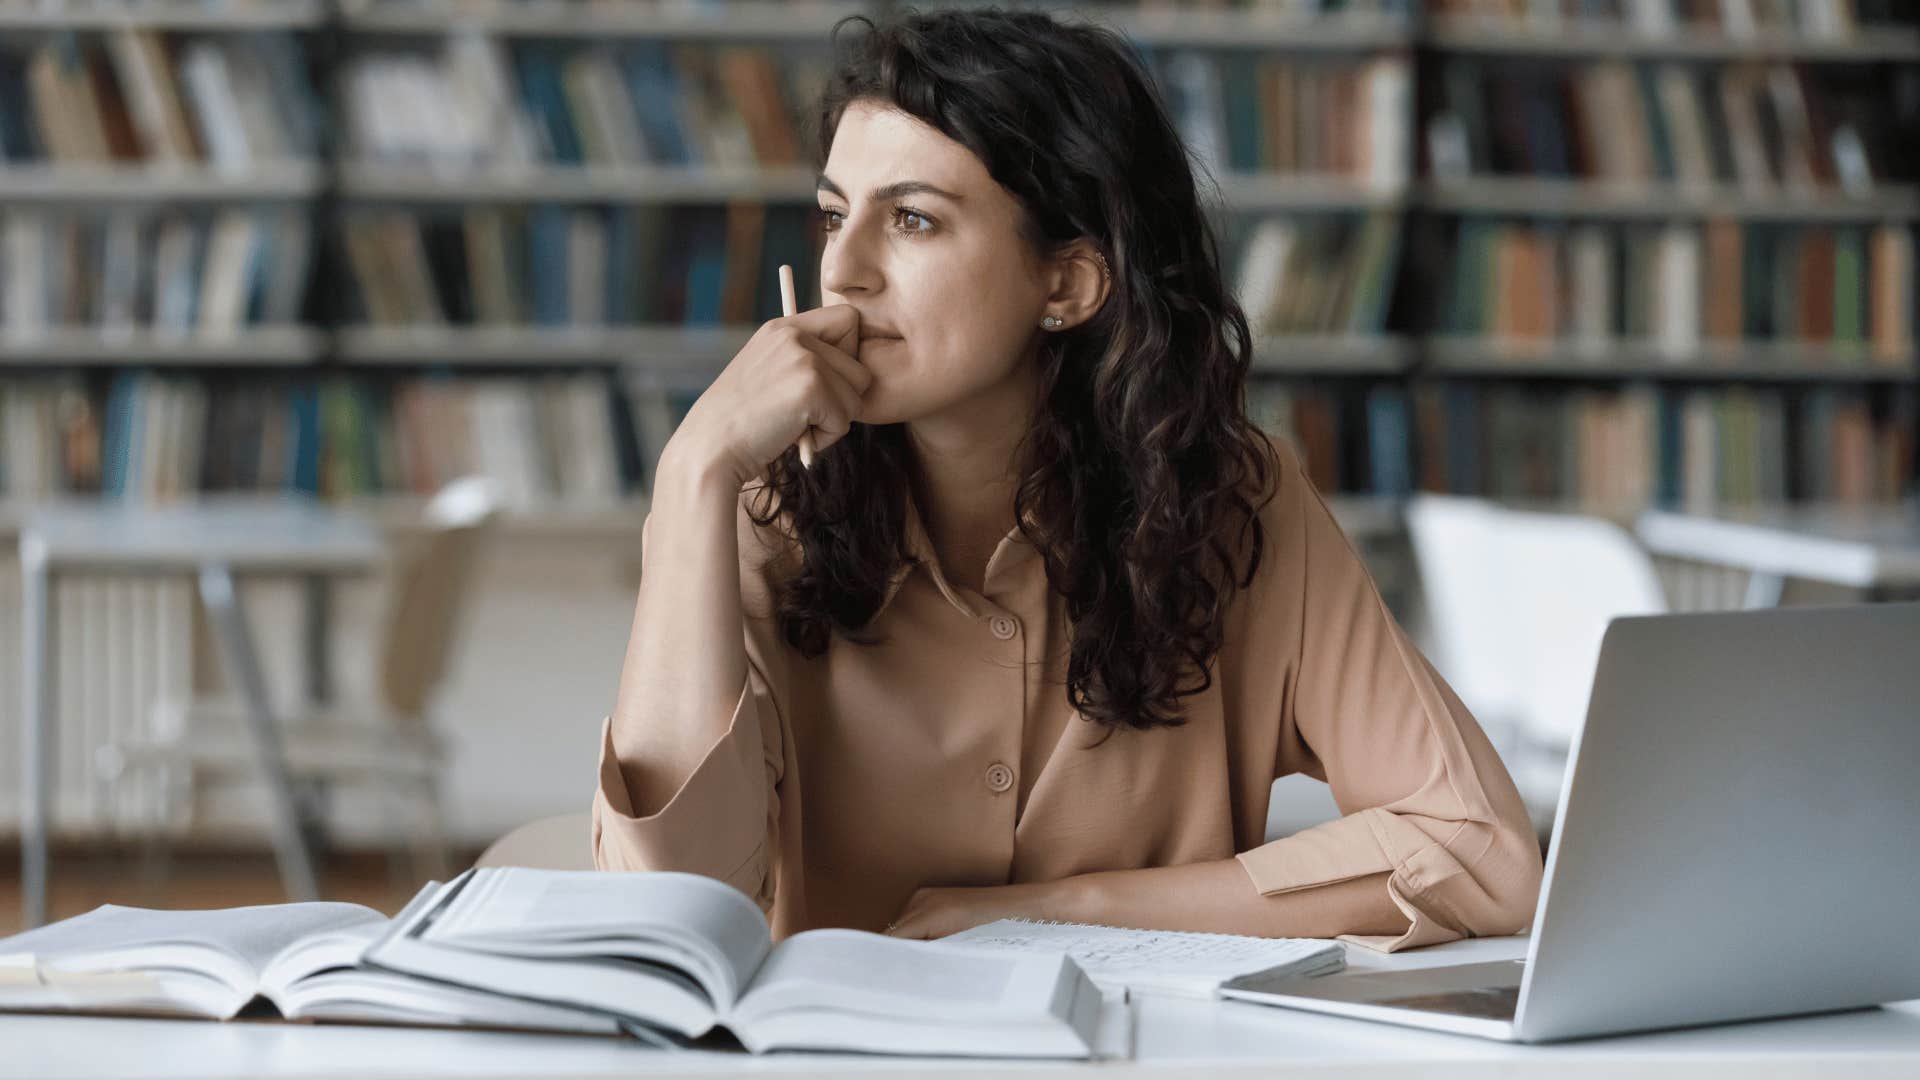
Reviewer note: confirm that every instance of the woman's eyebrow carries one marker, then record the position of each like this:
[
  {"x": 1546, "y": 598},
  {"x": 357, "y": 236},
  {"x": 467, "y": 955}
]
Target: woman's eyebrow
[{"x": 890, "y": 191}]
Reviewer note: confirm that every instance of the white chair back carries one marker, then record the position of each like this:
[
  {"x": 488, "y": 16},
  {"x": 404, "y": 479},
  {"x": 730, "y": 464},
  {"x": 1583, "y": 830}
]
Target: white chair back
[
  {"x": 1473, "y": 640},
  {"x": 1570, "y": 575},
  {"x": 431, "y": 591},
  {"x": 1518, "y": 602}
]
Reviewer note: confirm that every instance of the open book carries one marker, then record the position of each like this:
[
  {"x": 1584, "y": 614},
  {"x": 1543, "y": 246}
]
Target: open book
[
  {"x": 303, "y": 958},
  {"x": 685, "y": 954},
  {"x": 1177, "y": 963}
]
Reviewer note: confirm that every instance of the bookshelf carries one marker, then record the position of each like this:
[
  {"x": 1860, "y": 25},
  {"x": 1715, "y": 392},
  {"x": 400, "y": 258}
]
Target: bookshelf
[
  {"x": 738, "y": 20},
  {"x": 1668, "y": 255},
  {"x": 35, "y": 16},
  {"x": 1674, "y": 38},
  {"x": 406, "y": 163}
]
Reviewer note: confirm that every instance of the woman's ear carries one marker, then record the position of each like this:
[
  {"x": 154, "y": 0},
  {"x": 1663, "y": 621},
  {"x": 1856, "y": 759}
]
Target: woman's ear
[{"x": 1081, "y": 283}]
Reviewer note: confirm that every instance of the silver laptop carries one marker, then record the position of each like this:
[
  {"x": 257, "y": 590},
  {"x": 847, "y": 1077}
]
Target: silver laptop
[{"x": 1738, "y": 837}]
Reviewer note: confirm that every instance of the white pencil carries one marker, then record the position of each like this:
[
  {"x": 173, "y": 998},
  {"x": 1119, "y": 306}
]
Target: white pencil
[{"x": 789, "y": 306}]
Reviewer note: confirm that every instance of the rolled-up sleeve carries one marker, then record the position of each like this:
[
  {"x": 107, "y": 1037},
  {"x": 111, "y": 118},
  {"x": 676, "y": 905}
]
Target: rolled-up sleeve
[
  {"x": 1426, "y": 799},
  {"x": 723, "y": 821}
]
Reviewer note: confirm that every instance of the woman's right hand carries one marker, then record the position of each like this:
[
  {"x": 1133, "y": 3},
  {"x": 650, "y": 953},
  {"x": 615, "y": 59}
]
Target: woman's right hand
[{"x": 797, "y": 371}]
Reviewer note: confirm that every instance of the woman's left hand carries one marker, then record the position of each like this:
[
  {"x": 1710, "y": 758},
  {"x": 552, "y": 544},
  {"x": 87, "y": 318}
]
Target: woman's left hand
[{"x": 936, "y": 911}]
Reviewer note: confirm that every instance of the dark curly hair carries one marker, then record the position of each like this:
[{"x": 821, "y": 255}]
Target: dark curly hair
[{"x": 1138, "y": 468}]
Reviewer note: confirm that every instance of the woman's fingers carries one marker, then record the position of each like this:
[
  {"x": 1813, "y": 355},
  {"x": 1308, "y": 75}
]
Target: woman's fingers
[
  {"x": 836, "y": 324},
  {"x": 844, "y": 363}
]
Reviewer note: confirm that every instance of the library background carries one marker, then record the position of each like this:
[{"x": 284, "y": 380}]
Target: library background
[{"x": 1600, "y": 276}]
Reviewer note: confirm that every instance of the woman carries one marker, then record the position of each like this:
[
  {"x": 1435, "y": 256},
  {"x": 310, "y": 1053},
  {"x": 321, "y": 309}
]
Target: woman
[{"x": 1046, "y": 617}]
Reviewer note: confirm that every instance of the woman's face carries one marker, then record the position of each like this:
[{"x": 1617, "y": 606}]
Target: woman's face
[{"x": 942, "y": 266}]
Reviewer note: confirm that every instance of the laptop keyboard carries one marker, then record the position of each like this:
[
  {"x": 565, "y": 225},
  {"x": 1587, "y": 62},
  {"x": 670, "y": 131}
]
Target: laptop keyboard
[{"x": 1491, "y": 1002}]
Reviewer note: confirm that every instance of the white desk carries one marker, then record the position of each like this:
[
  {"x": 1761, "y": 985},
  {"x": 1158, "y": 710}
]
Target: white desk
[
  {"x": 1171, "y": 1037},
  {"x": 1867, "y": 548},
  {"x": 215, "y": 541}
]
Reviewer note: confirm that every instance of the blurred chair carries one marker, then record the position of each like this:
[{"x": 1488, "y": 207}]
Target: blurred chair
[
  {"x": 387, "y": 740},
  {"x": 561, "y": 842},
  {"x": 1518, "y": 602}
]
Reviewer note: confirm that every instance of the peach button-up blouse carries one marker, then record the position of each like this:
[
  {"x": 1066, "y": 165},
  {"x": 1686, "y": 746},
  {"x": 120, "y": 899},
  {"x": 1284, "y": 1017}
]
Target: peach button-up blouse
[{"x": 949, "y": 755}]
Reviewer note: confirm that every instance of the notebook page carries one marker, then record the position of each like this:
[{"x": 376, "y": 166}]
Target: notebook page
[{"x": 1165, "y": 961}]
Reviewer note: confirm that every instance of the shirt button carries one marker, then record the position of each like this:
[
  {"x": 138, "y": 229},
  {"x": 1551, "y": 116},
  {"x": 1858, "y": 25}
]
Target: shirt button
[
  {"x": 1003, "y": 627},
  {"x": 999, "y": 777}
]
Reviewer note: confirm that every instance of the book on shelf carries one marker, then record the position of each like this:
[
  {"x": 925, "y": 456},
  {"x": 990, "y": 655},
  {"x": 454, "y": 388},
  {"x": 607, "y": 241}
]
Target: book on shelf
[
  {"x": 1640, "y": 444},
  {"x": 131, "y": 95},
  {"x": 587, "y": 438},
  {"x": 1602, "y": 448},
  {"x": 301, "y": 961},
  {"x": 1843, "y": 291},
  {"x": 472, "y": 103},
  {"x": 1306, "y": 9},
  {"x": 572, "y": 267},
  {"x": 1316, "y": 275},
  {"x": 1736, "y": 19},
  {"x": 1243, "y": 112},
  {"x": 1350, "y": 438},
  {"x": 177, "y": 275},
  {"x": 1764, "y": 129}
]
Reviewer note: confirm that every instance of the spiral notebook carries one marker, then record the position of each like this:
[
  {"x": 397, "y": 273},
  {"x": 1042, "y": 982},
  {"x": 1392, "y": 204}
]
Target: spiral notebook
[{"x": 1176, "y": 963}]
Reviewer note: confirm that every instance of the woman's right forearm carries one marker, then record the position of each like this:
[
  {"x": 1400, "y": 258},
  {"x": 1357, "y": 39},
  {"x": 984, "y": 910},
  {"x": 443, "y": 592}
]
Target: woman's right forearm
[{"x": 686, "y": 662}]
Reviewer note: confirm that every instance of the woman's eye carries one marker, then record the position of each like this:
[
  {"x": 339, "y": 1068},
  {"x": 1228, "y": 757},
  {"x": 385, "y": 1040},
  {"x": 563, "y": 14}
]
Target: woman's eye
[
  {"x": 830, "y": 220},
  {"x": 905, "y": 212}
]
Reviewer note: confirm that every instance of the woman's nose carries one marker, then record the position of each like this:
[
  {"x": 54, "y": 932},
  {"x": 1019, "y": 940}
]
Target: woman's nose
[{"x": 850, "y": 259}]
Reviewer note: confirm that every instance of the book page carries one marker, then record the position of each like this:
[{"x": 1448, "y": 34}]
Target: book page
[
  {"x": 861, "y": 972},
  {"x": 318, "y": 953},
  {"x": 547, "y": 910},
  {"x": 249, "y": 935},
  {"x": 334, "y": 948}
]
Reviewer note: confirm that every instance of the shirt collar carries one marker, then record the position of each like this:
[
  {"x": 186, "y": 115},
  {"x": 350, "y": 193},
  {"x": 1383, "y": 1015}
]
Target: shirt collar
[{"x": 1013, "y": 546}]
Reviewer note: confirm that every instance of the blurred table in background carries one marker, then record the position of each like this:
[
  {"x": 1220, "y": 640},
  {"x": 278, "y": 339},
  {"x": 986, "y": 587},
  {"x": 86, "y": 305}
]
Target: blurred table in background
[
  {"x": 1874, "y": 549},
  {"x": 215, "y": 541}
]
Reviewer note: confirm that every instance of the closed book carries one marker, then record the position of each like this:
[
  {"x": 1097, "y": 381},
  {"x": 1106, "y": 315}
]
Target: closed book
[
  {"x": 1892, "y": 291},
  {"x": 1816, "y": 284},
  {"x": 655, "y": 89},
  {"x": 746, "y": 226},
  {"x": 1389, "y": 441},
  {"x": 752, "y": 84}
]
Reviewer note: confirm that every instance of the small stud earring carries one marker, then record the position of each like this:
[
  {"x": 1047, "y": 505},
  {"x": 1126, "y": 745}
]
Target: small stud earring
[{"x": 1051, "y": 322}]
